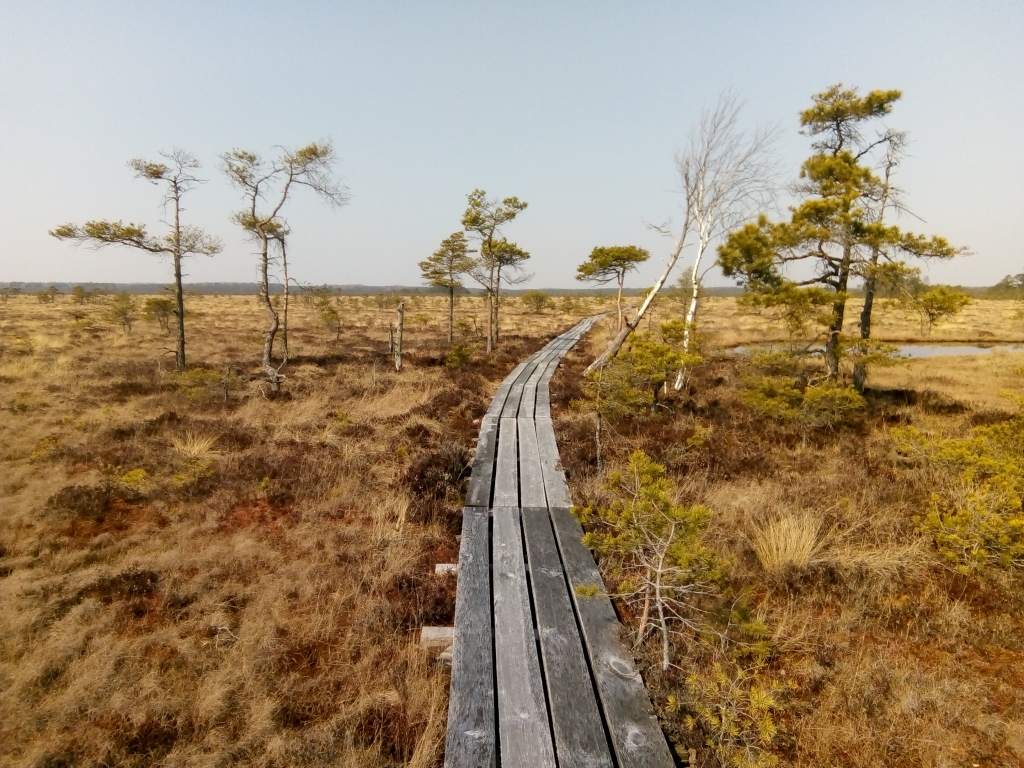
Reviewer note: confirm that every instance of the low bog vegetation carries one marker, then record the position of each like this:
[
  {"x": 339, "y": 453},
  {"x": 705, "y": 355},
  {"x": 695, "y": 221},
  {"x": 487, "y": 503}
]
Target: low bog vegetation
[
  {"x": 811, "y": 576},
  {"x": 197, "y": 571}
]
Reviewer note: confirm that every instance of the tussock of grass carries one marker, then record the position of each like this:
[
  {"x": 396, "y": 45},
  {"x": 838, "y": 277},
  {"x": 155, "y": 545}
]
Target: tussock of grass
[
  {"x": 787, "y": 543},
  {"x": 195, "y": 446}
]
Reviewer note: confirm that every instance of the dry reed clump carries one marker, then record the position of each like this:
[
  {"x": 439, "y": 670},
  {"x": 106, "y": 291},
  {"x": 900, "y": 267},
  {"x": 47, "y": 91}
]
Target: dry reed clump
[
  {"x": 787, "y": 543},
  {"x": 193, "y": 445},
  {"x": 194, "y": 572},
  {"x": 884, "y": 656}
]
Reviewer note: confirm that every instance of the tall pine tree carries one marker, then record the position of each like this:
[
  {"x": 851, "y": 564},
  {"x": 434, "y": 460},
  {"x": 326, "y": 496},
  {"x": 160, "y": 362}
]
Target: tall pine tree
[{"x": 837, "y": 230}]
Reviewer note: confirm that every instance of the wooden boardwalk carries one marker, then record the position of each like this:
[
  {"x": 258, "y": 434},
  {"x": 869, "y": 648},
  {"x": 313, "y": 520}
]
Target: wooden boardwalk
[{"x": 540, "y": 676}]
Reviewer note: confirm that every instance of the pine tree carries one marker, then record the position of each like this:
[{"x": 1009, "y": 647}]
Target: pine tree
[
  {"x": 445, "y": 268},
  {"x": 837, "y": 230}
]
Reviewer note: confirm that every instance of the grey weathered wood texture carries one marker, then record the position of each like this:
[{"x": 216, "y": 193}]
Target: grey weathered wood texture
[
  {"x": 506, "y": 468},
  {"x": 472, "y": 737},
  {"x": 554, "y": 479},
  {"x": 531, "y": 479},
  {"x": 525, "y": 736},
  {"x": 636, "y": 736},
  {"x": 479, "y": 492},
  {"x": 579, "y": 733},
  {"x": 540, "y": 675}
]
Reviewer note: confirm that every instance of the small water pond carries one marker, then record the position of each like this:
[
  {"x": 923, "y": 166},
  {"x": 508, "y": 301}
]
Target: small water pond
[{"x": 923, "y": 350}]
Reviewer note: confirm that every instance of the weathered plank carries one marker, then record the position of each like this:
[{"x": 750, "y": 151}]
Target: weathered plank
[
  {"x": 478, "y": 494},
  {"x": 524, "y": 736},
  {"x": 637, "y": 738},
  {"x": 506, "y": 468},
  {"x": 555, "y": 487},
  {"x": 528, "y": 404},
  {"x": 543, "y": 407},
  {"x": 515, "y": 393},
  {"x": 472, "y": 720},
  {"x": 519, "y": 458},
  {"x": 580, "y": 739},
  {"x": 531, "y": 478},
  {"x": 498, "y": 402}
]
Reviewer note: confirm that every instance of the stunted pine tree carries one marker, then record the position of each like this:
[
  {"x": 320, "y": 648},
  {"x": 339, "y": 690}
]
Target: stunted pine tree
[
  {"x": 499, "y": 259},
  {"x": 122, "y": 310},
  {"x": 837, "y": 231},
  {"x": 650, "y": 545},
  {"x": 936, "y": 305},
  {"x": 266, "y": 186},
  {"x": 445, "y": 269},
  {"x": 178, "y": 176},
  {"x": 612, "y": 263},
  {"x": 725, "y": 177}
]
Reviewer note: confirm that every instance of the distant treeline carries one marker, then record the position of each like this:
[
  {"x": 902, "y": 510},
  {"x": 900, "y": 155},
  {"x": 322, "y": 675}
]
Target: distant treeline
[
  {"x": 1010, "y": 287},
  {"x": 244, "y": 289}
]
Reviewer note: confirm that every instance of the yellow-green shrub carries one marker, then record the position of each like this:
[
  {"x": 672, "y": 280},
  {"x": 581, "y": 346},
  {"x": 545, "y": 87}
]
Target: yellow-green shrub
[
  {"x": 822, "y": 406},
  {"x": 977, "y": 521},
  {"x": 737, "y": 709}
]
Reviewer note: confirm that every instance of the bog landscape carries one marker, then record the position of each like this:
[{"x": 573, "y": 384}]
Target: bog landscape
[{"x": 223, "y": 515}]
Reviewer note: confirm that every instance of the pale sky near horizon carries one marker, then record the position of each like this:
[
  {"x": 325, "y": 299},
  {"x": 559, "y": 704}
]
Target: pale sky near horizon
[{"x": 576, "y": 107}]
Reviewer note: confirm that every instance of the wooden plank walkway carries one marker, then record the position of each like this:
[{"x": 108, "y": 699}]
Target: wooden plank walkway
[{"x": 541, "y": 676}]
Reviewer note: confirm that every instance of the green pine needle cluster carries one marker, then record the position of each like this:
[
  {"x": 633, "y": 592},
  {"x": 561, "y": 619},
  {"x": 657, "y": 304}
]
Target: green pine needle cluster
[
  {"x": 737, "y": 709},
  {"x": 977, "y": 521},
  {"x": 821, "y": 406},
  {"x": 651, "y": 548}
]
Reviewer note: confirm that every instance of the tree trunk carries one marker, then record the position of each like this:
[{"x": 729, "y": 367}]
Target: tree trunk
[
  {"x": 284, "y": 326},
  {"x": 691, "y": 316},
  {"x": 835, "y": 330},
  {"x": 271, "y": 332},
  {"x": 179, "y": 311},
  {"x": 451, "y": 313},
  {"x": 691, "y": 313},
  {"x": 597, "y": 436},
  {"x": 497, "y": 304},
  {"x": 398, "y": 335},
  {"x": 490, "y": 320},
  {"x": 179, "y": 294},
  {"x": 618, "y": 299},
  {"x": 860, "y": 372}
]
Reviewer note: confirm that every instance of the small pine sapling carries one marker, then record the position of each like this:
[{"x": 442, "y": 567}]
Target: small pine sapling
[
  {"x": 650, "y": 548},
  {"x": 122, "y": 310}
]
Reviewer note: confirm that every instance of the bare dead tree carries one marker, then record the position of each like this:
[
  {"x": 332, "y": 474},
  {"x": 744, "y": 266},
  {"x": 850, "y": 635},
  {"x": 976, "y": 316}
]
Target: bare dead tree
[
  {"x": 266, "y": 186},
  {"x": 890, "y": 197},
  {"x": 724, "y": 178},
  {"x": 399, "y": 332}
]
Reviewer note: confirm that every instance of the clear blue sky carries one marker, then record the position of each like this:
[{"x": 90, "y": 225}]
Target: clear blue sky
[{"x": 576, "y": 107}]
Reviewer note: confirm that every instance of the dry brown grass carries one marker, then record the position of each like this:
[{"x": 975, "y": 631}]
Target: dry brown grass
[
  {"x": 982, "y": 321},
  {"x": 193, "y": 572},
  {"x": 890, "y": 658},
  {"x": 252, "y": 597},
  {"x": 787, "y": 543},
  {"x": 977, "y": 381}
]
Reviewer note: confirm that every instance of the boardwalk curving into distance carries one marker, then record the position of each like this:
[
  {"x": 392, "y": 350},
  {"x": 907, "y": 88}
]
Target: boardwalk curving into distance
[{"x": 540, "y": 676}]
